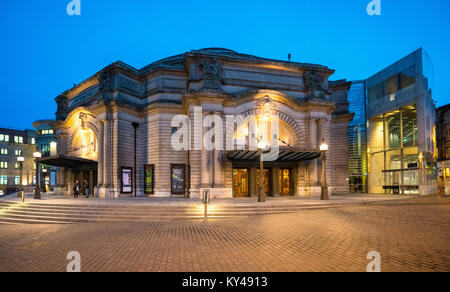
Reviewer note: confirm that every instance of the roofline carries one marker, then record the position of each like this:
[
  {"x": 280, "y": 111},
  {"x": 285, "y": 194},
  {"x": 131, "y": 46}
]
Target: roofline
[{"x": 159, "y": 65}]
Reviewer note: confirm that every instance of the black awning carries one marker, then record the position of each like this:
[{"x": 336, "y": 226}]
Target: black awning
[
  {"x": 68, "y": 161},
  {"x": 284, "y": 155}
]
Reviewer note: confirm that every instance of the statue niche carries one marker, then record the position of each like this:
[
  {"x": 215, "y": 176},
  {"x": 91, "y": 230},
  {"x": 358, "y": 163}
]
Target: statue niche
[
  {"x": 211, "y": 73},
  {"x": 315, "y": 84}
]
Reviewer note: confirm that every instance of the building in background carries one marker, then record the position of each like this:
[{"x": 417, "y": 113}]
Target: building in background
[
  {"x": 401, "y": 128},
  {"x": 357, "y": 138},
  {"x": 443, "y": 144},
  {"x": 115, "y": 128},
  {"x": 46, "y": 144},
  {"x": 16, "y": 143}
]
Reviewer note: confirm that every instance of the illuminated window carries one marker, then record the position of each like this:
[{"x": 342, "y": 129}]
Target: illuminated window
[
  {"x": 17, "y": 180},
  {"x": 45, "y": 150},
  {"x": 4, "y": 151},
  {"x": 17, "y": 165},
  {"x": 17, "y": 152},
  {"x": 33, "y": 141},
  {"x": 47, "y": 132},
  {"x": 18, "y": 139},
  {"x": 3, "y": 180},
  {"x": 4, "y": 138},
  {"x": 84, "y": 144},
  {"x": 3, "y": 164}
]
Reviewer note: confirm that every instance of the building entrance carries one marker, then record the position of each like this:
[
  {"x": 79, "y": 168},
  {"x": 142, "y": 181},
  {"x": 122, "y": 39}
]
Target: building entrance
[
  {"x": 240, "y": 182},
  {"x": 90, "y": 176},
  {"x": 277, "y": 181},
  {"x": 285, "y": 180}
]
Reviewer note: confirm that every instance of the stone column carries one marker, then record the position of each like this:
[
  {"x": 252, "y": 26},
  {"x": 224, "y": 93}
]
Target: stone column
[
  {"x": 276, "y": 182},
  {"x": 217, "y": 161},
  {"x": 253, "y": 186},
  {"x": 100, "y": 144},
  {"x": 313, "y": 138},
  {"x": 320, "y": 137},
  {"x": 205, "y": 162},
  {"x": 106, "y": 150}
]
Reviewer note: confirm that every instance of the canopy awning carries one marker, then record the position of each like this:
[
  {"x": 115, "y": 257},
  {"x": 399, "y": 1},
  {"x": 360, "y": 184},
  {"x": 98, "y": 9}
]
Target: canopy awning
[
  {"x": 284, "y": 155},
  {"x": 68, "y": 161}
]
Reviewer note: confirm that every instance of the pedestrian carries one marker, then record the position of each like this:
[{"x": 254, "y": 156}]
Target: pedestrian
[
  {"x": 86, "y": 189},
  {"x": 76, "y": 189}
]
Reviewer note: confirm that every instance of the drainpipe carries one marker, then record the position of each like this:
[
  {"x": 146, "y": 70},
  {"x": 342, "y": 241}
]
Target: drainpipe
[{"x": 135, "y": 126}]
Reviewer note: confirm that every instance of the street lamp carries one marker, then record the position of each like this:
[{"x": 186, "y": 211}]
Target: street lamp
[
  {"x": 37, "y": 190},
  {"x": 324, "y": 187},
  {"x": 21, "y": 194},
  {"x": 43, "y": 175},
  {"x": 262, "y": 147}
]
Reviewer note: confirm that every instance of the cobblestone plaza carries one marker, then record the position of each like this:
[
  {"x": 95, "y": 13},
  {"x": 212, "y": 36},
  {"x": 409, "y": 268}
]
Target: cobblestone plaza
[{"x": 410, "y": 235}]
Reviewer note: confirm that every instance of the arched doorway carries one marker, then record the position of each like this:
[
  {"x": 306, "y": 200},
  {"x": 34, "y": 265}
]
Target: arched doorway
[
  {"x": 279, "y": 176},
  {"x": 85, "y": 145}
]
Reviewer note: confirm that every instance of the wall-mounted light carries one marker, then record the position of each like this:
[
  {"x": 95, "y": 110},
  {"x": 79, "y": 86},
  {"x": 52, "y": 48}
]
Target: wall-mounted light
[{"x": 323, "y": 146}]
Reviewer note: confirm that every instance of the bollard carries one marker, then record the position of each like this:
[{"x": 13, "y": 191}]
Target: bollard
[{"x": 206, "y": 200}]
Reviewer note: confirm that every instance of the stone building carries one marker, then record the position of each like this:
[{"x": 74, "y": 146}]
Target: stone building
[
  {"x": 443, "y": 144},
  {"x": 116, "y": 128},
  {"x": 13, "y": 144}
]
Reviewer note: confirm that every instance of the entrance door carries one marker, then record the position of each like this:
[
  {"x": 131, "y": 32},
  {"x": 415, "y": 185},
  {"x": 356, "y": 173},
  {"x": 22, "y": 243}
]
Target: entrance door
[
  {"x": 240, "y": 182},
  {"x": 285, "y": 182},
  {"x": 267, "y": 181}
]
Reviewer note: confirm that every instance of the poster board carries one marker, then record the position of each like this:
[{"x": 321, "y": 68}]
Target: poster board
[
  {"x": 126, "y": 180},
  {"x": 149, "y": 179}
]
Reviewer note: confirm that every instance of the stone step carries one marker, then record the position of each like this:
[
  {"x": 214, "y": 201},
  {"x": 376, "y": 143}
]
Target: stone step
[
  {"x": 13, "y": 212},
  {"x": 59, "y": 220},
  {"x": 16, "y": 221},
  {"x": 155, "y": 212},
  {"x": 142, "y": 215},
  {"x": 134, "y": 208},
  {"x": 115, "y": 211}
]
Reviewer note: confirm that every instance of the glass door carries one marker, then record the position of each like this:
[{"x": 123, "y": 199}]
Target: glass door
[
  {"x": 285, "y": 182},
  {"x": 240, "y": 182}
]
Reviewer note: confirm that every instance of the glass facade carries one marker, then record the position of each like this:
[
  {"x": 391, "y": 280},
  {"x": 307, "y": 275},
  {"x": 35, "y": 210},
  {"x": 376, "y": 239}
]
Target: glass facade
[
  {"x": 394, "y": 154},
  {"x": 357, "y": 138}
]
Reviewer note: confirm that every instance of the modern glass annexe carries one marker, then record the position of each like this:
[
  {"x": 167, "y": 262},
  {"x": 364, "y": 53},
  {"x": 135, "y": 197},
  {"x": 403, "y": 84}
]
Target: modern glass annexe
[
  {"x": 394, "y": 152},
  {"x": 401, "y": 128}
]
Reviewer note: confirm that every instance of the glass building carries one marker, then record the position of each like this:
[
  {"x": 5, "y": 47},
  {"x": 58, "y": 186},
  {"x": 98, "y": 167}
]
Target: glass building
[
  {"x": 357, "y": 138},
  {"x": 401, "y": 128},
  {"x": 46, "y": 144}
]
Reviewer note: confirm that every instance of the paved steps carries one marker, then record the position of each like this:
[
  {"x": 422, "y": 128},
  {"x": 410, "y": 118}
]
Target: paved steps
[{"x": 39, "y": 213}]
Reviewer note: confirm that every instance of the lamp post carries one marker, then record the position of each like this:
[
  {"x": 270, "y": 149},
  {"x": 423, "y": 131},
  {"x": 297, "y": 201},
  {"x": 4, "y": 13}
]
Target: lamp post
[
  {"x": 37, "y": 190},
  {"x": 262, "y": 193},
  {"x": 43, "y": 175},
  {"x": 324, "y": 187},
  {"x": 21, "y": 194}
]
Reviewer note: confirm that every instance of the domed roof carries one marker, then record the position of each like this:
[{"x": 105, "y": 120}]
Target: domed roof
[{"x": 217, "y": 50}]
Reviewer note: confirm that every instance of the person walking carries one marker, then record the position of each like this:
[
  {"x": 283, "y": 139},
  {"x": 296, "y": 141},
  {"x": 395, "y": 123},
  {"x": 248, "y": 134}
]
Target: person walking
[
  {"x": 76, "y": 189},
  {"x": 86, "y": 189}
]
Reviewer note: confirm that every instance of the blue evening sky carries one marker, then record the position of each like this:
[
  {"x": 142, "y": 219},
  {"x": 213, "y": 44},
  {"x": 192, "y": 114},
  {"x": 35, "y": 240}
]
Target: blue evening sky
[{"x": 44, "y": 51}]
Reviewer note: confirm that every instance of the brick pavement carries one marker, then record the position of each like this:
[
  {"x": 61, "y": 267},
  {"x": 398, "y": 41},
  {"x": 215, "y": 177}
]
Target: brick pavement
[{"x": 412, "y": 235}]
